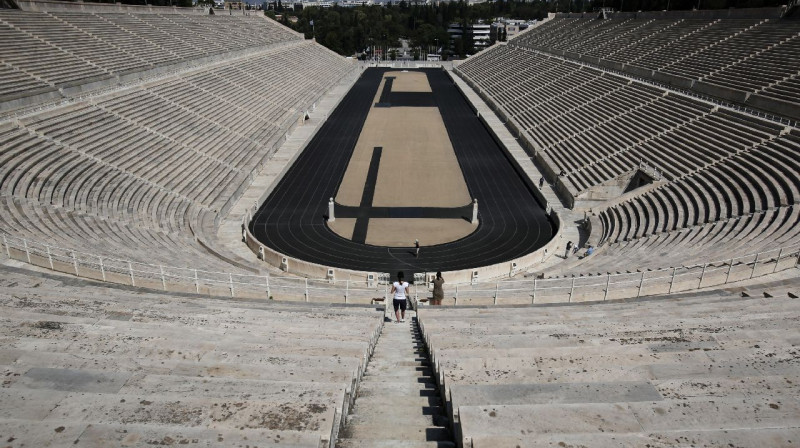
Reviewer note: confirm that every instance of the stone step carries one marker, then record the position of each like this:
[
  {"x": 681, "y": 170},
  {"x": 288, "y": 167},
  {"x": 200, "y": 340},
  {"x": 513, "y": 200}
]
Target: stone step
[
  {"x": 360, "y": 443},
  {"x": 390, "y": 431},
  {"x": 777, "y": 437},
  {"x": 395, "y": 388},
  {"x": 364, "y": 407},
  {"x": 56, "y": 432},
  {"x": 397, "y": 404},
  {"x": 398, "y": 376},
  {"x": 386, "y": 369},
  {"x": 402, "y": 354},
  {"x": 414, "y": 417},
  {"x": 415, "y": 361},
  {"x": 429, "y": 399}
]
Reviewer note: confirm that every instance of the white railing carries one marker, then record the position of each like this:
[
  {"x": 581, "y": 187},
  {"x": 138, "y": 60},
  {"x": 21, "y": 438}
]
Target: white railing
[
  {"x": 509, "y": 292},
  {"x": 627, "y": 285},
  {"x": 192, "y": 280}
]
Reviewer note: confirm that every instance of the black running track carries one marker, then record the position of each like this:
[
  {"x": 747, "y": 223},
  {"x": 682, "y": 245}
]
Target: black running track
[{"x": 292, "y": 219}]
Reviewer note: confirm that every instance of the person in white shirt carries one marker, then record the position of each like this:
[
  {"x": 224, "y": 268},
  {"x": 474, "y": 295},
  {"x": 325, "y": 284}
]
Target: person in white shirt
[{"x": 399, "y": 289}]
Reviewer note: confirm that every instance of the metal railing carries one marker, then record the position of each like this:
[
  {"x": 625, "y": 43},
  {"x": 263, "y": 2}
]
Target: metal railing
[
  {"x": 584, "y": 288},
  {"x": 192, "y": 280},
  {"x": 646, "y": 282}
]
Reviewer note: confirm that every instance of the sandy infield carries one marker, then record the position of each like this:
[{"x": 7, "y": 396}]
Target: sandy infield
[
  {"x": 409, "y": 82},
  {"x": 343, "y": 227},
  {"x": 418, "y": 168},
  {"x": 401, "y": 232}
]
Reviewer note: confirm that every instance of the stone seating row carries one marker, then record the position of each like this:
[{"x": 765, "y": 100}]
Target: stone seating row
[
  {"x": 785, "y": 90},
  {"x": 757, "y": 43},
  {"x": 97, "y": 236},
  {"x": 110, "y": 366},
  {"x": 117, "y": 32},
  {"x": 71, "y": 40},
  {"x": 731, "y": 181},
  {"x": 604, "y": 149},
  {"x": 105, "y": 137},
  {"x": 631, "y": 373},
  {"x": 159, "y": 160},
  {"x": 42, "y": 61},
  {"x": 664, "y": 33},
  {"x": 14, "y": 82},
  {"x": 690, "y": 57},
  {"x": 689, "y": 147},
  {"x": 773, "y": 233},
  {"x": 64, "y": 49},
  {"x": 66, "y": 179},
  {"x": 594, "y": 127},
  {"x": 742, "y": 54},
  {"x": 761, "y": 179},
  {"x": 769, "y": 64},
  {"x": 186, "y": 127}
]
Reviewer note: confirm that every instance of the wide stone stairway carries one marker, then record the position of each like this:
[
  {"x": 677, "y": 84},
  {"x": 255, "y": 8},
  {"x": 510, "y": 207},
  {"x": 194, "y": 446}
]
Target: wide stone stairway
[{"x": 398, "y": 404}]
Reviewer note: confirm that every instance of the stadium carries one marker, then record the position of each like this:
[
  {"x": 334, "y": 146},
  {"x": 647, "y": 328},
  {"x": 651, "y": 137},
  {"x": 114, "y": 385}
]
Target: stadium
[{"x": 203, "y": 216}]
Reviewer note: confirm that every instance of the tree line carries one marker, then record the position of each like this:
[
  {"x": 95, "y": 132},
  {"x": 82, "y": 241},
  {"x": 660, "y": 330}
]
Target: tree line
[{"x": 352, "y": 31}]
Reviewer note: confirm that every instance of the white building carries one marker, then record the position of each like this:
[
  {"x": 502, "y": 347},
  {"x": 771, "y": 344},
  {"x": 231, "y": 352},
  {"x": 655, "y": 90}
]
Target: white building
[
  {"x": 512, "y": 27},
  {"x": 481, "y": 34},
  {"x": 354, "y": 3},
  {"x": 320, "y": 3}
]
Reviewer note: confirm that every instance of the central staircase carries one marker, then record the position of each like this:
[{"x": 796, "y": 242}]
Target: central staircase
[{"x": 398, "y": 404}]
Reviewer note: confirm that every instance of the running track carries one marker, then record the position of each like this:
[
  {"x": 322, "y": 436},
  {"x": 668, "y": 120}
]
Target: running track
[{"x": 292, "y": 219}]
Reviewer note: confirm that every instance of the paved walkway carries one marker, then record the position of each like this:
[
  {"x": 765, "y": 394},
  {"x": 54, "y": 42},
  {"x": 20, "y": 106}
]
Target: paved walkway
[{"x": 397, "y": 404}]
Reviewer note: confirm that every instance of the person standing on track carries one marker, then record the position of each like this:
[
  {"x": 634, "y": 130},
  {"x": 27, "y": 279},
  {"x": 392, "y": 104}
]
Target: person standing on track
[
  {"x": 438, "y": 291},
  {"x": 416, "y": 248},
  {"x": 399, "y": 289}
]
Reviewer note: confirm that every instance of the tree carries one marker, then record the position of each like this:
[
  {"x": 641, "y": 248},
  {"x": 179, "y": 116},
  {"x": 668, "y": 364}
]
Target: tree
[
  {"x": 355, "y": 29},
  {"x": 458, "y": 47}
]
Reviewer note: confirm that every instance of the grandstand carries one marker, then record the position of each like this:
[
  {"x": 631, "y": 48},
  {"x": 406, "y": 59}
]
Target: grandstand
[
  {"x": 88, "y": 365},
  {"x": 721, "y": 179},
  {"x": 704, "y": 369},
  {"x": 138, "y": 151},
  {"x": 136, "y": 143}
]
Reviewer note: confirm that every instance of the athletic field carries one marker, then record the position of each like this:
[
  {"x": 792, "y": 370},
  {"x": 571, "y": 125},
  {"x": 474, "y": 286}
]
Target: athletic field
[{"x": 403, "y": 156}]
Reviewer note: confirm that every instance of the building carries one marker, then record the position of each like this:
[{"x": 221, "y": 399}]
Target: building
[
  {"x": 509, "y": 26},
  {"x": 354, "y": 3},
  {"x": 479, "y": 33}
]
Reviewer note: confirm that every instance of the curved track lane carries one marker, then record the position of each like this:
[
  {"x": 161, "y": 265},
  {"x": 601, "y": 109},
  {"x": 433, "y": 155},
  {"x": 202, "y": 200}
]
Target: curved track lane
[{"x": 292, "y": 219}]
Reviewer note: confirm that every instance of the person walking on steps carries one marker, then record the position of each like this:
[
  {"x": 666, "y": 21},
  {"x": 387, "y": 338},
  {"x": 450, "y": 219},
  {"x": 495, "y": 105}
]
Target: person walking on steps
[
  {"x": 438, "y": 291},
  {"x": 399, "y": 289},
  {"x": 569, "y": 250},
  {"x": 589, "y": 251}
]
